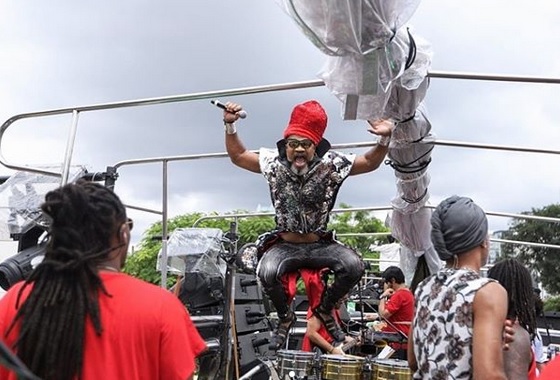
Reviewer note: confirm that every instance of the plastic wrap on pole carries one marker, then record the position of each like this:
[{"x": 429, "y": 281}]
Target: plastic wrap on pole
[
  {"x": 410, "y": 159},
  {"x": 366, "y": 84},
  {"x": 355, "y": 81},
  {"x": 410, "y": 222},
  {"x": 412, "y": 230},
  {"x": 341, "y": 27},
  {"x": 363, "y": 82},
  {"x": 403, "y": 103},
  {"x": 367, "y": 47},
  {"x": 412, "y": 194}
]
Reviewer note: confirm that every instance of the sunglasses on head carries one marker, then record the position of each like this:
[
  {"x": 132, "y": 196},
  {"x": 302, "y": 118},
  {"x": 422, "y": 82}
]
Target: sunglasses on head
[{"x": 293, "y": 143}]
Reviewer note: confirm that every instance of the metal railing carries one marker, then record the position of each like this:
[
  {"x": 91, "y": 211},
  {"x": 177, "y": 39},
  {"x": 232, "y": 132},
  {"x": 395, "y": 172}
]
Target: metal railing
[{"x": 76, "y": 111}]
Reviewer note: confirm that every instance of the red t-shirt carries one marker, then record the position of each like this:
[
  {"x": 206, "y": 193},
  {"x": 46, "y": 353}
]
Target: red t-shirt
[
  {"x": 551, "y": 370},
  {"x": 147, "y": 333},
  {"x": 401, "y": 307}
]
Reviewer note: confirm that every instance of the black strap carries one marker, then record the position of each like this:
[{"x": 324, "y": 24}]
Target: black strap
[
  {"x": 411, "y": 50},
  {"x": 409, "y": 167}
]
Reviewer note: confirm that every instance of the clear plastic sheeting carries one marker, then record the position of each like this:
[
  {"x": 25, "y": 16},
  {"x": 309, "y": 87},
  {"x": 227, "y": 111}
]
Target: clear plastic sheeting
[
  {"x": 412, "y": 230},
  {"x": 21, "y": 197},
  {"x": 342, "y": 27},
  {"x": 364, "y": 83},
  {"x": 410, "y": 221},
  {"x": 192, "y": 250},
  {"x": 368, "y": 49},
  {"x": 410, "y": 159}
]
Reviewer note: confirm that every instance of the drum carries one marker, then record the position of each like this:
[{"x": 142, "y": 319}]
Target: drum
[
  {"x": 341, "y": 367},
  {"x": 391, "y": 369},
  {"x": 298, "y": 362}
]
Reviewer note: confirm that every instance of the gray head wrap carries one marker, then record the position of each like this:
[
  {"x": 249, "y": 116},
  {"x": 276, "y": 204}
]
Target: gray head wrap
[{"x": 458, "y": 225}]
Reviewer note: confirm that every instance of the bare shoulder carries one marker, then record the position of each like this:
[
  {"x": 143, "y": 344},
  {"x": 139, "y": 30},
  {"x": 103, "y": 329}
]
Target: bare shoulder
[{"x": 491, "y": 295}]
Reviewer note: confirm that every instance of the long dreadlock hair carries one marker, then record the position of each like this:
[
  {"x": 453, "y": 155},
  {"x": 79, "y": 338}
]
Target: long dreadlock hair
[
  {"x": 517, "y": 281},
  {"x": 66, "y": 284}
]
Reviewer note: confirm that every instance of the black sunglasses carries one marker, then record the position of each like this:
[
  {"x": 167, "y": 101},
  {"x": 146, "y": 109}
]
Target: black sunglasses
[{"x": 293, "y": 143}]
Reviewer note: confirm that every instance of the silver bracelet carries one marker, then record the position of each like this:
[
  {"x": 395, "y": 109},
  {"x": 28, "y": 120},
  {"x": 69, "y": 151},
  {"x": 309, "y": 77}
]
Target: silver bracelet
[
  {"x": 383, "y": 140},
  {"x": 230, "y": 128}
]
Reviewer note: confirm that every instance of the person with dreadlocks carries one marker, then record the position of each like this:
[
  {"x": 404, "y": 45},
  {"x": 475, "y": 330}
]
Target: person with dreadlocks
[
  {"x": 304, "y": 177},
  {"x": 459, "y": 316},
  {"x": 519, "y": 360},
  {"x": 78, "y": 317}
]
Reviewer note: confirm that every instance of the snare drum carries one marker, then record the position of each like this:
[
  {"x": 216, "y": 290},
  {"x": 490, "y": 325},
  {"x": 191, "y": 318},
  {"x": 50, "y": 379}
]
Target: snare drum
[
  {"x": 300, "y": 362},
  {"x": 341, "y": 367},
  {"x": 391, "y": 369}
]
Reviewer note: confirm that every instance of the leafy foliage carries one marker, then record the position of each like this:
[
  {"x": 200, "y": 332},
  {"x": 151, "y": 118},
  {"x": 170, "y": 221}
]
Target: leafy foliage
[
  {"x": 358, "y": 222},
  {"x": 552, "y": 304},
  {"x": 143, "y": 262},
  {"x": 543, "y": 262}
]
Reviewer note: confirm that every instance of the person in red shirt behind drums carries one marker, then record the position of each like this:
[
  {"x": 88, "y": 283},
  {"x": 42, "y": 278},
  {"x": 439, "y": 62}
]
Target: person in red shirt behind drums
[
  {"x": 396, "y": 308},
  {"x": 78, "y": 317}
]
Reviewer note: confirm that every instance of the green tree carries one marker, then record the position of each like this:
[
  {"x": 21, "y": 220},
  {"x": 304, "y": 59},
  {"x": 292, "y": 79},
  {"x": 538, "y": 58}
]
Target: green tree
[
  {"x": 543, "y": 262},
  {"x": 142, "y": 263},
  {"x": 358, "y": 222},
  {"x": 552, "y": 304}
]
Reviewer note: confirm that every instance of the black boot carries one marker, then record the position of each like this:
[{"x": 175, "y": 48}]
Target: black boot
[{"x": 285, "y": 323}]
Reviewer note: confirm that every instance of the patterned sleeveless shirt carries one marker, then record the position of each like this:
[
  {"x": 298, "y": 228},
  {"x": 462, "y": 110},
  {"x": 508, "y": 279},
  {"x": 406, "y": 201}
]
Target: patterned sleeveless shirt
[
  {"x": 302, "y": 203},
  {"x": 443, "y": 324}
]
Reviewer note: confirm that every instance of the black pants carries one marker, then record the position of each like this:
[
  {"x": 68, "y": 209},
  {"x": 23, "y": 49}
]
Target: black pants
[{"x": 284, "y": 257}]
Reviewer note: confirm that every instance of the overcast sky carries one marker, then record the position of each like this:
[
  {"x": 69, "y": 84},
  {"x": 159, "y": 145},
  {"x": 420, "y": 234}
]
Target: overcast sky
[{"x": 59, "y": 54}]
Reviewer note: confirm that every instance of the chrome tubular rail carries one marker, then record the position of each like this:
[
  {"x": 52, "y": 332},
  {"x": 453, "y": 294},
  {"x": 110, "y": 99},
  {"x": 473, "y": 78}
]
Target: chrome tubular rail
[{"x": 75, "y": 111}]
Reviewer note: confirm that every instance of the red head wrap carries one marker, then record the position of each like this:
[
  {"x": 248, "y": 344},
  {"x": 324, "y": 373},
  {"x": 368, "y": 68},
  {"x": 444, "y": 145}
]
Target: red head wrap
[{"x": 309, "y": 120}]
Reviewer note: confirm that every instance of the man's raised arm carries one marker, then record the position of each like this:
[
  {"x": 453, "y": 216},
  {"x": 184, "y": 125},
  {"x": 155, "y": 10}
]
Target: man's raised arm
[
  {"x": 236, "y": 151},
  {"x": 374, "y": 157}
]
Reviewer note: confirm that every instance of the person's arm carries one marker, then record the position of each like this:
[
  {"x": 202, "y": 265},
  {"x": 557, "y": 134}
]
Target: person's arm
[
  {"x": 374, "y": 157},
  {"x": 312, "y": 332},
  {"x": 382, "y": 309},
  {"x": 236, "y": 151},
  {"x": 489, "y": 313}
]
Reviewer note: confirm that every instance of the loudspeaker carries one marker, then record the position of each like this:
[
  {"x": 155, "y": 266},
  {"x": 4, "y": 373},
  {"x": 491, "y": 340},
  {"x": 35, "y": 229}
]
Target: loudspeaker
[
  {"x": 253, "y": 346},
  {"x": 199, "y": 290},
  {"x": 250, "y": 317},
  {"x": 247, "y": 288}
]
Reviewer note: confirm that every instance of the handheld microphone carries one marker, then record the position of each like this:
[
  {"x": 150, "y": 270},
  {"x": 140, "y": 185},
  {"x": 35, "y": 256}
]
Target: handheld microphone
[{"x": 242, "y": 114}]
